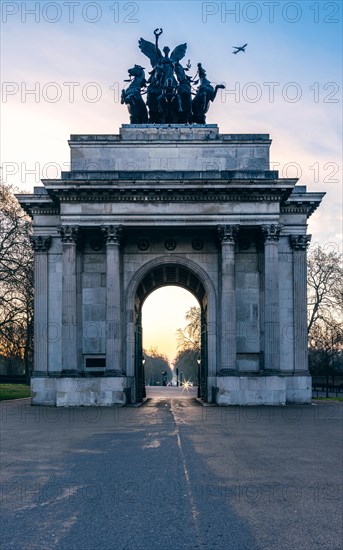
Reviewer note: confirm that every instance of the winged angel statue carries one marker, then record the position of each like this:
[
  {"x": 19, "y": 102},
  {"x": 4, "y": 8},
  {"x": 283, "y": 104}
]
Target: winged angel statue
[{"x": 168, "y": 89}]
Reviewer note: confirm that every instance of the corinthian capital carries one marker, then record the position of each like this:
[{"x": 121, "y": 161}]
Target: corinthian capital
[
  {"x": 271, "y": 233},
  {"x": 40, "y": 243},
  {"x": 112, "y": 233},
  {"x": 69, "y": 233},
  {"x": 299, "y": 242},
  {"x": 227, "y": 233}
]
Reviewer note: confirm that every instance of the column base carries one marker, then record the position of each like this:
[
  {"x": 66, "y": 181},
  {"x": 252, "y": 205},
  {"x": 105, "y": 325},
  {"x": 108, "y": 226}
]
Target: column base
[
  {"x": 227, "y": 372},
  {"x": 263, "y": 389},
  {"x": 70, "y": 373},
  {"x": 114, "y": 373}
]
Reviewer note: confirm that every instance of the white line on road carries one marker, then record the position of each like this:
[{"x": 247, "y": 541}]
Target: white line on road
[{"x": 195, "y": 512}]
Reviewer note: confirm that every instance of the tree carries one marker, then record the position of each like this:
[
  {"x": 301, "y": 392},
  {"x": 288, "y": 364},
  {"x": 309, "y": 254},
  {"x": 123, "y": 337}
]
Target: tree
[
  {"x": 190, "y": 337},
  {"x": 325, "y": 311},
  {"x": 186, "y": 362},
  {"x": 324, "y": 280},
  {"x": 189, "y": 345},
  {"x": 325, "y": 348},
  {"x": 155, "y": 364},
  {"x": 16, "y": 280}
]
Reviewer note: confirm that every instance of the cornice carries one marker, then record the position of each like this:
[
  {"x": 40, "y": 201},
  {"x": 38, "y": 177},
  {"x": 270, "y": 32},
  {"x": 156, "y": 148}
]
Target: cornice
[
  {"x": 38, "y": 204},
  {"x": 302, "y": 203},
  {"x": 180, "y": 190}
]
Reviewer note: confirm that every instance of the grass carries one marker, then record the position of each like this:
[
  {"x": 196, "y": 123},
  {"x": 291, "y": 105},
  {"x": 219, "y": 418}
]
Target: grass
[
  {"x": 328, "y": 399},
  {"x": 14, "y": 391}
]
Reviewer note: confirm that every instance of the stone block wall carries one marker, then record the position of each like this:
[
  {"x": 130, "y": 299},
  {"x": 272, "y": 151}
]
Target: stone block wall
[{"x": 93, "y": 302}]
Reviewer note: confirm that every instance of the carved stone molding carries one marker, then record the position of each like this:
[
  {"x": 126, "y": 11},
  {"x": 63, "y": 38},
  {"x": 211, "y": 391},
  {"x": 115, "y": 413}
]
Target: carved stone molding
[
  {"x": 112, "y": 233},
  {"x": 227, "y": 233},
  {"x": 170, "y": 244},
  {"x": 143, "y": 244},
  {"x": 197, "y": 244},
  {"x": 96, "y": 244},
  {"x": 40, "y": 243},
  {"x": 271, "y": 233},
  {"x": 299, "y": 242},
  {"x": 69, "y": 233}
]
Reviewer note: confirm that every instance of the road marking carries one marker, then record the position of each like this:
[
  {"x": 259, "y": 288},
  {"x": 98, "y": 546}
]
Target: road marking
[{"x": 195, "y": 511}]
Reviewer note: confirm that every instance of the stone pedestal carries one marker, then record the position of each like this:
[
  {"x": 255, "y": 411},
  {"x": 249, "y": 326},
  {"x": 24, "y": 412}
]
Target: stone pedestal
[
  {"x": 263, "y": 390},
  {"x": 77, "y": 392}
]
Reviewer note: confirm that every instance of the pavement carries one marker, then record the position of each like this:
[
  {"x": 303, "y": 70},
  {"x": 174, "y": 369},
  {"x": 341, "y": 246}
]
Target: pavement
[
  {"x": 171, "y": 474},
  {"x": 172, "y": 392}
]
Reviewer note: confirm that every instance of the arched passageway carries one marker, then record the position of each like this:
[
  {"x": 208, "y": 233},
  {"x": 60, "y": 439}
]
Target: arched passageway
[{"x": 152, "y": 277}]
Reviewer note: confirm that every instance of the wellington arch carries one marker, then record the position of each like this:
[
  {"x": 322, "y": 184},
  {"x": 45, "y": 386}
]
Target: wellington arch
[{"x": 170, "y": 204}]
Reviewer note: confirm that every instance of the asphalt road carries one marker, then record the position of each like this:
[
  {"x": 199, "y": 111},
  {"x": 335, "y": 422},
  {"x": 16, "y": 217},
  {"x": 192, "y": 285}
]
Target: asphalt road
[{"x": 172, "y": 474}]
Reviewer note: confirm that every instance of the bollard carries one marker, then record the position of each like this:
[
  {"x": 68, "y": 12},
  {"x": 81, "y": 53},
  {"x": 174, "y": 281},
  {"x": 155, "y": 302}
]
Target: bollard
[
  {"x": 127, "y": 392},
  {"x": 214, "y": 394}
]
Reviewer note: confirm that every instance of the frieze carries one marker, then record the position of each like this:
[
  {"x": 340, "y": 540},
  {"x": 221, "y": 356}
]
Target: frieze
[
  {"x": 40, "y": 243},
  {"x": 299, "y": 242}
]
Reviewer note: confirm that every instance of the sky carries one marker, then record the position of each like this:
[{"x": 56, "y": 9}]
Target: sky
[{"x": 63, "y": 64}]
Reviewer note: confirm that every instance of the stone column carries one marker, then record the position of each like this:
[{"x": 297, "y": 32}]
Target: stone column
[
  {"x": 299, "y": 244},
  {"x": 271, "y": 235},
  {"x": 113, "y": 235},
  {"x": 69, "y": 236},
  {"x": 227, "y": 235},
  {"x": 41, "y": 246}
]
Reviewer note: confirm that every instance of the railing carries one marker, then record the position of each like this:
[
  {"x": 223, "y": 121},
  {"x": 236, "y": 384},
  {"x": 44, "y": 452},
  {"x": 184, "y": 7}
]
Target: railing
[
  {"x": 12, "y": 379},
  {"x": 322, "y": 390}
]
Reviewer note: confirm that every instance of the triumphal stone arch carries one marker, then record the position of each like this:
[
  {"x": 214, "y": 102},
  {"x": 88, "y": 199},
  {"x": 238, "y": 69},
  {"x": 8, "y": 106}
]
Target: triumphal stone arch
[
  {"x": 163, "y": 205},
  {"x": 170, "y": 201}
]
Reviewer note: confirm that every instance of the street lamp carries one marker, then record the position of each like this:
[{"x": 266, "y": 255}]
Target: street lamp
[
  {"x": 143, "y": 369},
  {"x": 199, "y": 363}
]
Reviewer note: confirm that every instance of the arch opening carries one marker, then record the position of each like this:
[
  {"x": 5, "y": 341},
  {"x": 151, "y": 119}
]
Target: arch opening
[{"x": 170, "y": 275}]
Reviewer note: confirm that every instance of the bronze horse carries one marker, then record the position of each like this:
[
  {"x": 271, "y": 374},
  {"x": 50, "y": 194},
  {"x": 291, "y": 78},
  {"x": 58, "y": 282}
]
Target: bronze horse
[
  {"x": 204, "y": 95},
  {"x": 132, "y": 96},
  {"x": 185, "y": 94}
]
